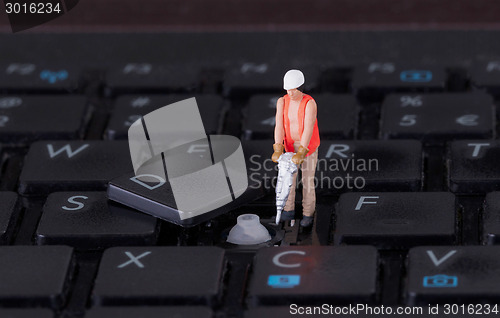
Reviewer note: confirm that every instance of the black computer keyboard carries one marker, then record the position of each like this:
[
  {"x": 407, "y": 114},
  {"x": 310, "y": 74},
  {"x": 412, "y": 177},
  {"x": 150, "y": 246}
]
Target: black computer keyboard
[{"x": 408, "y": 211}]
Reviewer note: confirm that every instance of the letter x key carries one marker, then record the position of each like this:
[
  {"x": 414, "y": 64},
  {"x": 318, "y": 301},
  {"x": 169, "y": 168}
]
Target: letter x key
[{"x": 134, "y": 259}]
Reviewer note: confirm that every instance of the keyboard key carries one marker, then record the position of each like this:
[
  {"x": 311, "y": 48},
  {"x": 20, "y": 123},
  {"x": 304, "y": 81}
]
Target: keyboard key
[
  {"x": 159, "y": 275},
  {"x": 378, "y": 78},
  {"x": 313, "y": 275},
  {"x": 88, "y": 220},
  {"x": 453, "y": 275},
  {"x": 145, "y": 77},
  {"x": 369, "y": 165},
  {"x": 73, "y": 165},
  {"x": 337, "y": 113},
  {"x": 8, "y": 217},
  {"x": 27, "y": 118},
  {"x": 438, "y": 117},
  {"x": 395, "y": 219},
  {"x": 26, "y": 313},
  {"x": 34, "y": 76},
  {"x": 487, "y": 75},
  {"x": 129, "y": 108},
  {"x": 473, "y": 166},
  {"x": 157, "y": 312},
  {"x": 264, "y": 77},
  {"x": 491, "y": 219},
  {"x": 34, "y": 275}
]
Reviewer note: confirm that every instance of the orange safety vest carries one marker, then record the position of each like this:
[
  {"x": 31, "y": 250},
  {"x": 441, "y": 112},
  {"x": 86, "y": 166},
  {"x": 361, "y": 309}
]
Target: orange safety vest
[{"x": 314, "y": 142}]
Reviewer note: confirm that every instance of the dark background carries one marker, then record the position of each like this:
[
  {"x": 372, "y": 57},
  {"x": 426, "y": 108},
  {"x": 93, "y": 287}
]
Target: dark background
[{"x": 265, "y": 15}]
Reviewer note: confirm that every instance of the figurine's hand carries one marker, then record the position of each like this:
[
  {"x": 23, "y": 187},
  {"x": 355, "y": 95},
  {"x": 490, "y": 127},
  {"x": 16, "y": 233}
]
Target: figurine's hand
[
  {"x": 278, "y": 151},
  {"x": 298, "y": 158}
]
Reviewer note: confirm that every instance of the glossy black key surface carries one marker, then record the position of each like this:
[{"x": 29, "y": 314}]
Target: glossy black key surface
[
  {"x": 473, "y": 166},
  {"x": 26, "y": 313},
  {"x": 89, "y": 220},
  {"x": 264, "y": 77},
  {"x": 453, "y": 274},
  {"x": 486, "y": 75},
  {"x": 130, "y": 108},
  {"x": 35, "y": 275},
  {"x": 491, "y": 219},
  {"x": 40, "y": 76},
  {"x": 438, "y": 117},
  {"x": 311, "y": 275},
  {"x": 73, "y": 165},
  {"x": 159, "y": 275},
  {"x": 34, "y": 117},
  {"x": 8, "y": 215},
  {"x": 385, "y": 76},
  {"x": 150, "y": 312},
  {"x": 395, "y": 219},
  {"x": 145, "y": 77},
  {"x": 369, "y": 165},
  {"x": 337, "y": 116}
]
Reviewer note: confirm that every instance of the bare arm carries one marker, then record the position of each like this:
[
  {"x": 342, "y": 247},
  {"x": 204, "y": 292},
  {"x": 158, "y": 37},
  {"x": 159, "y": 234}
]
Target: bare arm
[
  {"x": 279, "y": 128},
  {"x": 309, "y": 120}
]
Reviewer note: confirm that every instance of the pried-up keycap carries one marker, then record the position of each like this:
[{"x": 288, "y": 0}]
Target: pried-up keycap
[
  {"x": 8, "y": 216},
  {"x": 369, "y": 165},
  {"x": 26, "y": 118},
  {"x": 473, "y": 166},
  {"x": 336, "y": 113},
  {"x": 159, "y": 275},
  {"x": 130, "y": 108},
  {"x": 453, "y": 274},
  {"x": 381, "y": 77},
  {"x": 34, "y": 275},
  {"x": 89, "y": 220},
  {"x": 146, "y": 77},
  {"x": 311, "y": 275},
  {"x": 395, "y": 219},
  {"x": 73, "y": 165},
  {"x": 438, "y": 117}
]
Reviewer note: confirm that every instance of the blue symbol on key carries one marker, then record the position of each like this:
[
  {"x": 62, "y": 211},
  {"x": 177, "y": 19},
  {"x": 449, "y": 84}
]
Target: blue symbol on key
[
  {"x": 440, "y": 281},
  {"x": 419, "y": 76},
  {"x": 53, "y": 77},
  {"x": 283, "y": 281}
]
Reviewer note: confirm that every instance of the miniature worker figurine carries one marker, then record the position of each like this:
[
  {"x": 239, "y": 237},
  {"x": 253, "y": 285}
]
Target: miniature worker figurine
[{"x": 297, "y": 127}]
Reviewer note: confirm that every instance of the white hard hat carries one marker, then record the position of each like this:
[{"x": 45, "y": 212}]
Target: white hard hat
[{"x": 293, "y": 79}]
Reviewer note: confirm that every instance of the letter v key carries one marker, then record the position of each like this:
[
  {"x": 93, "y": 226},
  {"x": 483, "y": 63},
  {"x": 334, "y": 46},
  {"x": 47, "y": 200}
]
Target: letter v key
[{"x": 444, "y": 258}]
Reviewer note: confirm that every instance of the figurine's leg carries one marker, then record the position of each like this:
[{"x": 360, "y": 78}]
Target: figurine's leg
[{"x": 308, "y": 187}]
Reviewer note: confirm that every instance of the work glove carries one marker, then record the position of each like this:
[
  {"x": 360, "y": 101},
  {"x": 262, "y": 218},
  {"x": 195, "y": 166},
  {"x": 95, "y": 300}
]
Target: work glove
[
  {"x": 278, "y": 151},
  {"x": 298, "y": 158}
]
